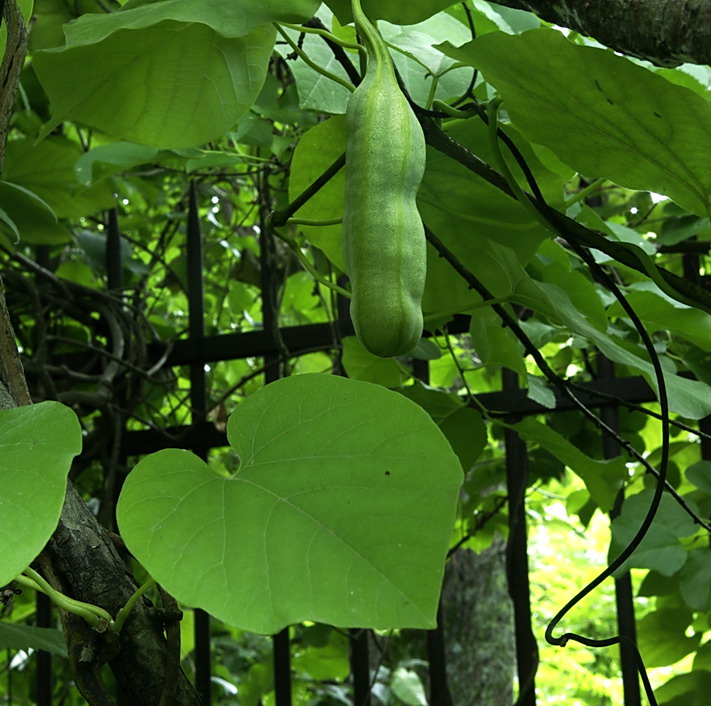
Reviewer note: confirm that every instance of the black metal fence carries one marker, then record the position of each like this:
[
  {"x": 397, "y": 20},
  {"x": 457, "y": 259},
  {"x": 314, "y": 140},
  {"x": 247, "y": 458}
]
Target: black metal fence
[{"x": 198, "y": 350}]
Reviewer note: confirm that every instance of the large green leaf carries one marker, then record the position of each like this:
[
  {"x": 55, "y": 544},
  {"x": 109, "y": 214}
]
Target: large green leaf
[
  {"x": 169, "y": 74},
  {"x": 602, "y": 114},
  {"x": 341, "y": 511},
  {"x": 37, "y": 445}
]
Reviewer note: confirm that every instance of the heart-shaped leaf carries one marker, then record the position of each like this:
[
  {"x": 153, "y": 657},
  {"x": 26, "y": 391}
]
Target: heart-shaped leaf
[
  {"x": 37, "y": 445},
  {"x": 341, "y": 512}
]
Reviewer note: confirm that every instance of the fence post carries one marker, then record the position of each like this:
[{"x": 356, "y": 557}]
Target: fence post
[
  {"x": 623, "y": 585},
  {"x": 198, "y": 406},
  {"x": 517, "y": 557}
]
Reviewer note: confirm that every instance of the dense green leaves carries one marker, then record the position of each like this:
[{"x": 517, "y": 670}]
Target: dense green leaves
[
  {"x": 310, "y": 514},
  {"x": 341, "y": 511},
  {"x": 601, "y": 113},
  {"x": 37, "y": 445}
]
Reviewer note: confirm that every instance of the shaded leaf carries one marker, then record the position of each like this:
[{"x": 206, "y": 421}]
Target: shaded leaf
[
  {"x": 690, "y": 689},
  {"x": 661, "y": 636},
  {"x": 24, "y": 637},
  {"x": 661, "y": 548},
  {"x": 603, "y": 479},
  {"x": 30, "y": 216},
  {"x": 695, "y": 579}
]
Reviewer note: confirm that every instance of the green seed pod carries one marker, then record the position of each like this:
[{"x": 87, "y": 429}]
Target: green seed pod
[{"x": 383, "y": 237}]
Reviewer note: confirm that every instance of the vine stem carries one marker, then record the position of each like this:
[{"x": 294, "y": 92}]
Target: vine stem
[
  {"x": 309, "y": 62},
  {"x": 130, "y": 603},
  {"x": 549, "y": 219},
  {"x": 294, "y": 247},
  {"x": 97, "y": 617}
]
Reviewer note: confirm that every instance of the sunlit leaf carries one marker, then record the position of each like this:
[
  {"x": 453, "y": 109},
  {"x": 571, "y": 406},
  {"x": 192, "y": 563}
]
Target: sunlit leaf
[{"x": 341, "y": 511}]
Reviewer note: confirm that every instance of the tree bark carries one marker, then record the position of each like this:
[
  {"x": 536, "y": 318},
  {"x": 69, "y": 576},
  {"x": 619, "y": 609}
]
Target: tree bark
[
  {"x": 12, "y": 61},
  {"x": 83, "y": 557},
  {"x": 665, "y": 32}
]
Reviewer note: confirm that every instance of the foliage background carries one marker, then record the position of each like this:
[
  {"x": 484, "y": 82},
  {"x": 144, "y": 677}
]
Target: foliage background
[{"x": 116, "y": 117}]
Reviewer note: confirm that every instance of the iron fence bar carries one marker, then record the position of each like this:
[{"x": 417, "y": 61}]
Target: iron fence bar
[
  {"x": 112, "y": 484},
  {"x": 281, "y": 644},
  {"x": 630, "y": 389},
  {"x": 358, "y": 638},
  {"x": 437, "y": 663},
  {"x": 43, "y": 675},
  {"x": 435, "y": 639},
  {"x": 114, "y": 283},
  {"x": 198, "y": 404},
  {"x": 304, "y": 338},
  {"x": 114, "y": 267},
  {"x": 360, "y": 665},
  {"x": 517, "y": 557},
  {"x": 624, "y": 600}
]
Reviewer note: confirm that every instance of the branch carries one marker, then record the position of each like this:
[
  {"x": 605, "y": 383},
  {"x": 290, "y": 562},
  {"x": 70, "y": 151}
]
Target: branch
[
  {"x": 12, "y": 62},
  {"x": 665, "y": 32}
]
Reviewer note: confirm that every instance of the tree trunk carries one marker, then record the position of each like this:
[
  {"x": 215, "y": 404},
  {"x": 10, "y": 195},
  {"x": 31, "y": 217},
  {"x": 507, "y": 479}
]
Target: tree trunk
[{"x": 665, "y": 32}]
